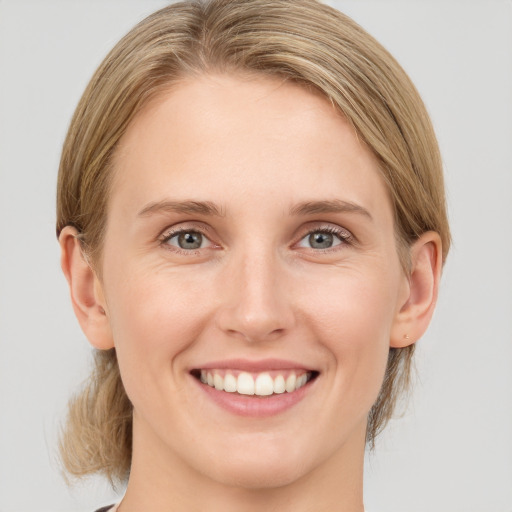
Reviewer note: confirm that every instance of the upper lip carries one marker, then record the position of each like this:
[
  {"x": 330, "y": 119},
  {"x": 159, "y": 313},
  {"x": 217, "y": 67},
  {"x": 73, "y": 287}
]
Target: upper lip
[{"x": 254, "y": 366}]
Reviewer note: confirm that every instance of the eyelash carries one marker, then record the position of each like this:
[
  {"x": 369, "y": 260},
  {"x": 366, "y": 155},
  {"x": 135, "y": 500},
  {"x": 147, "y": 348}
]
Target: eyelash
[
  {"x": 168, "y": 235},
  {"x": 344, "y": 236}
]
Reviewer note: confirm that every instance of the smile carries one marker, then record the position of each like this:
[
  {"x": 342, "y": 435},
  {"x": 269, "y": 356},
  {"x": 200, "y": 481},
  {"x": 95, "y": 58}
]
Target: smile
[
  {"x": 259, "y": 384},
  {"x": 258, "y": 389}
]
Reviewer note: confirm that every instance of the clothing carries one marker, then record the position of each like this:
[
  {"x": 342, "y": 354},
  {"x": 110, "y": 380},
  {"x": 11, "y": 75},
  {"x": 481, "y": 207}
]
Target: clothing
[
  {"x": 113, "y": 508},
  {"x": 110, "y": 508}
]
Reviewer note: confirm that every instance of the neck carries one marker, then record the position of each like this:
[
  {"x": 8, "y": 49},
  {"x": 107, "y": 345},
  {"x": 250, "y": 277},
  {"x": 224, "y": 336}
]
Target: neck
[{"x": 161, "y": 481}]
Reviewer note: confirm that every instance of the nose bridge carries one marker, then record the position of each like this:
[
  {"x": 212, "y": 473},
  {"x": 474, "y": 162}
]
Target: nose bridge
[{"x": 256, "y": 305}]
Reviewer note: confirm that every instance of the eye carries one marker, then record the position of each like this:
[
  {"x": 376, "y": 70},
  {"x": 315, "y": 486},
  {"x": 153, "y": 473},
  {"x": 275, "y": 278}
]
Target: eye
[
  {"x": 187, "y": 240},
  {"x": 325, "y": 238}
]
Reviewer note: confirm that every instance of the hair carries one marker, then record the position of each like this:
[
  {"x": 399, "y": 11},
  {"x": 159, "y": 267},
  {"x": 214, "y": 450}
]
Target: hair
[{"x": 302, "y": 41}]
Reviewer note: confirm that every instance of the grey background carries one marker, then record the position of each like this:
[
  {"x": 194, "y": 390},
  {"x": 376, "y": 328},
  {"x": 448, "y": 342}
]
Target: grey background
[{"x": 452, "y": 449}]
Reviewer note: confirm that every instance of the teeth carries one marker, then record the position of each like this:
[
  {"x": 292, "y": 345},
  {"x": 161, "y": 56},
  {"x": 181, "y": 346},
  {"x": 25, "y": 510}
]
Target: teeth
[
  {"x": 279, "y": 384},
  {"x": 264, "y": 385},
  {"x": 246, "y": 384},
  {"x": 230, "y": 383},
  {"x": 290, "y": 382},
  {"x": 218, "y": 382},
  {"x": 301, "y": 381}
]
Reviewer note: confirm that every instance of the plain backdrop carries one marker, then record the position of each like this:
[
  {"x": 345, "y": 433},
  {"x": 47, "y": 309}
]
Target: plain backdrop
[{"x": 452, "y": 449}]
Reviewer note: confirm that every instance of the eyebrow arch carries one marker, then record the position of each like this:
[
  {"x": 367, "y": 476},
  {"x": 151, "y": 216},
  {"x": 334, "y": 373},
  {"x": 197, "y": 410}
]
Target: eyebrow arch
[
  {"x": 188, "y": 207},
  {"x": 332, "y": 206}
]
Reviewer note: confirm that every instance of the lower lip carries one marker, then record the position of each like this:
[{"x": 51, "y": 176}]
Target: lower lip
[{"x": 252, "y": 405}]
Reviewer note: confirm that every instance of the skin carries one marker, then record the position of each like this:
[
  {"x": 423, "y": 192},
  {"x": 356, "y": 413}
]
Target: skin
[{"x": 255, "y": 289}]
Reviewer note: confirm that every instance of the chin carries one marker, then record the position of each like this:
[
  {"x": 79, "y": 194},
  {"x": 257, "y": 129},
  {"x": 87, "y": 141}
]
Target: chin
[
  {"x": 261, "y": 467},
  {"x": 258, "y": 475}
]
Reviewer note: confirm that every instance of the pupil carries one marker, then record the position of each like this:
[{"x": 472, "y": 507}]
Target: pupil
[
  {"x": 320, "y": 240},
  {"x": 190, "y": 240}
]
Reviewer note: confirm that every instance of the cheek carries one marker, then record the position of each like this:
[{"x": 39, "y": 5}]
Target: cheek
[
  {"x": 353, "y": 320},
  {"x": 354, "y": 308},
  {"x": 154, "y": 317}
]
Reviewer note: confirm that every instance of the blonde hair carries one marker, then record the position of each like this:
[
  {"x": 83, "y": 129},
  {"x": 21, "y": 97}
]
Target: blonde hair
[{"x": 303, "y": 41}]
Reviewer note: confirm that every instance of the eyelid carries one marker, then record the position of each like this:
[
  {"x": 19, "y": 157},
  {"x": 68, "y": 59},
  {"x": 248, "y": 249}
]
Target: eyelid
[
  {"x": 343, "y": 234},
  {"x": 172, "y": 231}
]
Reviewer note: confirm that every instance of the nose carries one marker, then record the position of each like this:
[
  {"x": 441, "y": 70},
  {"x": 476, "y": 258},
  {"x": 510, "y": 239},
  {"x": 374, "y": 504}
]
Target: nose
[{"x": 255, "y": 305}]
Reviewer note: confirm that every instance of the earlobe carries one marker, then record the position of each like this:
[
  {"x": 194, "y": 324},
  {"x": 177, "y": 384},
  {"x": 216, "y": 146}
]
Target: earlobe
[
  {"x": 416, "y": 311},
  {"x": 86, "y": 291}
]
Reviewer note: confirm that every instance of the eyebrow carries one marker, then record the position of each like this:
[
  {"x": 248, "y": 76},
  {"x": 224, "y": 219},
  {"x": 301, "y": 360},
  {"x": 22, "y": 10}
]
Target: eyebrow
[
  {"x": 188, "y": 207},
  {"x": 211, "y": 209},
  {"x": 332, "y": 206}
]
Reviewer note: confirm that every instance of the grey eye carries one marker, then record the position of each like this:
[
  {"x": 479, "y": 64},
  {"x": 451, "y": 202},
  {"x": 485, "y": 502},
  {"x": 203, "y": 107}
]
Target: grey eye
[
  {"x": 187, "y": 240},
  {"x": 321, "y": 240}
]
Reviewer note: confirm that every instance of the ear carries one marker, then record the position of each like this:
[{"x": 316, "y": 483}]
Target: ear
[
  {"x": 86, "y": 291},
  {"x": 419, "y": 301}
]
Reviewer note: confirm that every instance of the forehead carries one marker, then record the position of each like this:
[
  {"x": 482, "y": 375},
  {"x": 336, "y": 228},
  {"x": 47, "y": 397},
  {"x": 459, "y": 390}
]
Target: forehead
[{"x": 257, "y": 135}]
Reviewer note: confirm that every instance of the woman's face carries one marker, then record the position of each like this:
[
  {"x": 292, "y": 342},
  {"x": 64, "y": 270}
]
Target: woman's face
[{"x": 250, "y": 242}]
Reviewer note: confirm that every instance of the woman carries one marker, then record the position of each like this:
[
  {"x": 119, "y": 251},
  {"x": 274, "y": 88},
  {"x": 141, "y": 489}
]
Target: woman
[{"x": 252, "y": 222}]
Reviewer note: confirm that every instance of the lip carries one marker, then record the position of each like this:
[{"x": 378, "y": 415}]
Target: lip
[
  {"x": 254, "y": 406},
  {"x": 247, "y": 365}
]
